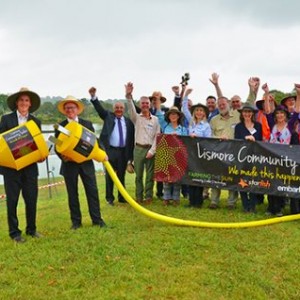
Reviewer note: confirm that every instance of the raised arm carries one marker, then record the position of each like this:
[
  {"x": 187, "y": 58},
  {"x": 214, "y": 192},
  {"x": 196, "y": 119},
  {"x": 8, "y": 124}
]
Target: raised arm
[
  {"x": 215, "y": 81},
  {"x": 177, "y": 98},
  {"x": 297, "y": 104},
  {"x": 131, "y": 106},
  {"x": 267, "y": 106},
  {"x": 185, "y": 108},
  {"x": 254, "y": 83},
  {"x": 97, "y": 104}
]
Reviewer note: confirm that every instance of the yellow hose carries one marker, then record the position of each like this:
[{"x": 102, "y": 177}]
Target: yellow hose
[{"x": 182, "y": 222}]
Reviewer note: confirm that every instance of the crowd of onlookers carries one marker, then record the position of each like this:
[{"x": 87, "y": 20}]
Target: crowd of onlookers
[{"x": 131, "y": 142}]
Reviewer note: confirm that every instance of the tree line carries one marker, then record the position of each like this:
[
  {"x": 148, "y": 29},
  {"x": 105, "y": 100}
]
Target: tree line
[{"x": 48, "y": 113}]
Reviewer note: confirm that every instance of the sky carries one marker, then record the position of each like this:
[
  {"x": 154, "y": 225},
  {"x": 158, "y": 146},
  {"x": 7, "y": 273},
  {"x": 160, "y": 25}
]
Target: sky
[{"x": 62, "y": 47}]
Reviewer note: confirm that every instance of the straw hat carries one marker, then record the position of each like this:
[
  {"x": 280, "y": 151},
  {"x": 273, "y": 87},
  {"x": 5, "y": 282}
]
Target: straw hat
[
  {"x": 34, "y": 98},
  {"x": 158, "y": 94},
  {"x": 70, "y": 99}
]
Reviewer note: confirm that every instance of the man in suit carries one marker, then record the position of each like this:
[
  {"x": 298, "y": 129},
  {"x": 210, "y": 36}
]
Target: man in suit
[
  {"x": 71, "y": 108},
  {"x": 117, "y": 139},
  {"x": 22, "y": 104}
]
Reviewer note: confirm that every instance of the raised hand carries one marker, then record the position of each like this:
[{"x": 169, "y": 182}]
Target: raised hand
[
  {"x": 128, "y": 90},
  {"x": 176, "y": 90},
  {"x": 214, "y": 79},
  {"x": 188, "y": 92},
  {"x": 92, "y": 91},
  {"x": 254, "y": 83},
  {"x": 265, "y": 88}
]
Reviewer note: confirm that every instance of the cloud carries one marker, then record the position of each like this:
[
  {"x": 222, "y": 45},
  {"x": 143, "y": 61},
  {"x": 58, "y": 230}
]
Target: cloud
[{"x": 62, "y": 47}]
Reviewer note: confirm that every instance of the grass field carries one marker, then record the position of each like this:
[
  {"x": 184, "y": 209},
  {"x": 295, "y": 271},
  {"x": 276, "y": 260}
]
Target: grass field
[{"x": 140, "y": 258}]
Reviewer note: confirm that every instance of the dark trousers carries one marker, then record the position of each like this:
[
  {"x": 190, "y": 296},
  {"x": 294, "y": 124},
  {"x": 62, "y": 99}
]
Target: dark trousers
[
  {"x": 159, "y": 189},
  {"x": 90, "y": 186},
  {"x": 118, "y": 162},
  {"x": 295, "y": 206},
  {"x": 14, "y": 184},
  {"x": 196, "y": 195},
  {"x": 249, "y": 201},
  {"x": 275, "y": 204}
]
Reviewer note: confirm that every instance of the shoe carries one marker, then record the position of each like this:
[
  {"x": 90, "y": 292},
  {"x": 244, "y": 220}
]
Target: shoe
[
  {"x": 19, "y": 239},
  {"x": 279, "y": 214},
  {"x": 35, "y": 235},
  {"x": 166, "y": 202},
  {"x": 148, "y": 201},
  {"x": 111, "y": 203},
  {"x": 230, "y": 207},
  {"x": 76, "y": 226},
  {"x": 122, "y": 201},
  {"x": 176, "y": 202},
  {"x": 205, "y": 196},
  {"x": 213, "y": 206},
  {"x": 100, "y": 224}
]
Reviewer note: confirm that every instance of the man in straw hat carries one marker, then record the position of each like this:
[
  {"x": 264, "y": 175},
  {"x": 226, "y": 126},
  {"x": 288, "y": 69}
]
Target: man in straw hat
[
  {"x": 71, "y": 108},
  {"x": 22, "y": 104}
]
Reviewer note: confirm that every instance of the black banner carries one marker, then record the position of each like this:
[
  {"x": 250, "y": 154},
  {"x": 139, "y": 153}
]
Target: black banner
[{"x": 229, "y": 164}]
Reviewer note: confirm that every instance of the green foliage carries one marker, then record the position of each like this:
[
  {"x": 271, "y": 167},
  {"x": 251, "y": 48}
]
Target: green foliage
[
  {"x": 140, "y": 258},
  {"x": 278, "y": 95},
  {"x": 3, "y": 105}
]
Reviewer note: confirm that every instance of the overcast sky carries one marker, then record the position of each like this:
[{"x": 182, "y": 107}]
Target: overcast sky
[{"x": 61, "y": 47}]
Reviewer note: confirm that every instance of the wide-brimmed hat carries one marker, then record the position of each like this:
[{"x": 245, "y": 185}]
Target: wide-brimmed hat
[
  {"x": 34, "y": 98},
  {"x": 248, "y": 106},
  {"x": 281, "y": 108},
  {"x": 259, "y": 104},
  {"x": 204, "y": 107},
  {"x": 162, "y": 98},
  {"x": 70, "y": 99},
  {"x": 174, "y": 109},
  {"x": 287, "y": 96}
]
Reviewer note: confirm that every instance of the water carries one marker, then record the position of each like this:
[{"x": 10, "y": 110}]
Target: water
[{"x": 53, "y": 160}]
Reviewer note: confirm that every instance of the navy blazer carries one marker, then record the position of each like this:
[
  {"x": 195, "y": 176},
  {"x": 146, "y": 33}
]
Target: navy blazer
[
  {"x": 109, "y": 122},
  {"x": 8, "y": 122}
]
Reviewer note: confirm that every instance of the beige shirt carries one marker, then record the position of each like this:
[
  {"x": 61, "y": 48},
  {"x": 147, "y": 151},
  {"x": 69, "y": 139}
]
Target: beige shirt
[
  {"x": 146, "y": 129},
  {"x": 224, "y": 127}
]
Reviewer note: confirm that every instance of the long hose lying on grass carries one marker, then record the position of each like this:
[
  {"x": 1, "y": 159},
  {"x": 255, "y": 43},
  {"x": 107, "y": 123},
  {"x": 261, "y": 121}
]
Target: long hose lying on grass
[{"x": 182, "y": 222}]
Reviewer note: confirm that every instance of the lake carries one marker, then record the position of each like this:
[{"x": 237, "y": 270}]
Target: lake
[{"x": 53, "y": 160}]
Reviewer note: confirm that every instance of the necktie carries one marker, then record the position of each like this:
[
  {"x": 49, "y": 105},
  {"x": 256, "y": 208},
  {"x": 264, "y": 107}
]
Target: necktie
[{"x": 121, "y": 139}]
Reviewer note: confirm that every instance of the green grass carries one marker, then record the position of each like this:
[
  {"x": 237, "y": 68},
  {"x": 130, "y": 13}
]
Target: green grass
[{"x": 140, "y": 258}]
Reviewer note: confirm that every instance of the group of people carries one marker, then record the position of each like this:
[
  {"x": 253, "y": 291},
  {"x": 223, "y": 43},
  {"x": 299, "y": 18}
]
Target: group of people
[
  {"x": 223, "y": 118},
  {"x": 132, "y": 142},
  {"x": 25, "y": 180}
]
